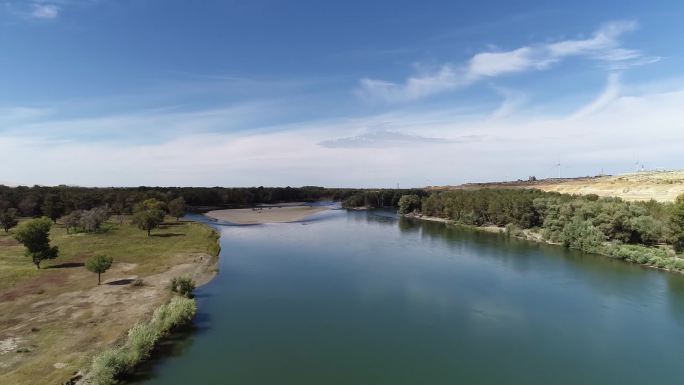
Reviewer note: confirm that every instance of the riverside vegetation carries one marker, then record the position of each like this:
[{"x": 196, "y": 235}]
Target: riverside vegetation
[
  {"x": 54, "y": 319},
  {"x": 650, "y": 232},
  {"x": 641, "y": 232},
  {"x": 111, "y": 364}
]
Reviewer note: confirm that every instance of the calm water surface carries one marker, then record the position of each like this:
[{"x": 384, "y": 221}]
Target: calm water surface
[{"x": 365, "y": 298}]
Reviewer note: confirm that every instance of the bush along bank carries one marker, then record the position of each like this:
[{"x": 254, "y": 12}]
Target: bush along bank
[
  {"x": 648, "y": 233},
  {"x": 110, "y": 365}
]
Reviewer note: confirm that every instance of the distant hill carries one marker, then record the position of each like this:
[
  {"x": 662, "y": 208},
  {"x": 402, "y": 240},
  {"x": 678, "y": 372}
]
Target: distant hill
[{"x": 663, "y": 186}]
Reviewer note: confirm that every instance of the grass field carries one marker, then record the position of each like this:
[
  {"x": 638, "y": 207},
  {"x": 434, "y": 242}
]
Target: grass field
[{"x": 54, "y": 319}]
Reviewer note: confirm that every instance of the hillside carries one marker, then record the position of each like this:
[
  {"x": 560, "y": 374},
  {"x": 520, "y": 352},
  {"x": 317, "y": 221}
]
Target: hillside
[{"x": 662, "y": 186}]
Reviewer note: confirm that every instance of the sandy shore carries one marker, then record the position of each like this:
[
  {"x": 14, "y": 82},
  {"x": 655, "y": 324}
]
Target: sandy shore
[{"x": 267, "y": 214}]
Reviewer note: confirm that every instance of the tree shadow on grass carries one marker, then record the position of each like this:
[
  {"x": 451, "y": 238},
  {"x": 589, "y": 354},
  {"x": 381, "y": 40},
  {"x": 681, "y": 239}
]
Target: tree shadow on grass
[
  {"x": 67, "y": 265},
  {"x": 120, "y": 282},
  {"x": 179, "y": 223},
  {"x": 167, "y": 235}
]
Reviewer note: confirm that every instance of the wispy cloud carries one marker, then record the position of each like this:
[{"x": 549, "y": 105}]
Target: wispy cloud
[
  {"x": 606, "y": 135},
  {"x": 603, "y": 46},
  {"x": 381, "y": 138},
  {"x": 44, "y": 11},
  {"x": 609, "y": 95}
]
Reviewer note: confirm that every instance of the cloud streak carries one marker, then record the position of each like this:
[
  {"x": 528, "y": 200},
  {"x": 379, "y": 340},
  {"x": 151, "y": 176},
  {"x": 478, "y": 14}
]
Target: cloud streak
[
  {"x": 603, "y": 46},
  {"x": 44, "y": 11},
  {"x": 410, "y": 148},
  {"x": 380, "y": 139}
]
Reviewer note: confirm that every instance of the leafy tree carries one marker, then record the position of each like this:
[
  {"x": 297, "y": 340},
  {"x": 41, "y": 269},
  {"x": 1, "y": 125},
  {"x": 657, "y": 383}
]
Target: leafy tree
[
  {"x": 28, "y": 205},
  {"x": 150, "y": 204},
  {"x": 177, "y": 207},
  {"x": 583, "y": 236},
  {"x": 52, "y": 207},
  {"x": 35, "y": 235},
  {"x": 99, "y": 264},
  {"x": 8, "y": 218},
  {"x": 646, "y": 229},
  {"x": 409, "y": 203},
  {"x": 677, "y": 224},
  {"x": 148, "y": 215}
]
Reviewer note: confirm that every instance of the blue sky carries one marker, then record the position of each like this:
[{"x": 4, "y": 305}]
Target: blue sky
[{"x": 367, "y": 93}]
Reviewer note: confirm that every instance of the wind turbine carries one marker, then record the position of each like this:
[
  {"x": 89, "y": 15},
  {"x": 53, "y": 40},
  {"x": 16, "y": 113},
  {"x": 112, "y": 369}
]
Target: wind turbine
[{"x": 559, "y": 169}]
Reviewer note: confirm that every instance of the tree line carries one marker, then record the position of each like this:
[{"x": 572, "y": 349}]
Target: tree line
[
  {"x": 379, "y": 198},
  {"x": 644, "y": 232},
  {"x": 54, "y": 202}
]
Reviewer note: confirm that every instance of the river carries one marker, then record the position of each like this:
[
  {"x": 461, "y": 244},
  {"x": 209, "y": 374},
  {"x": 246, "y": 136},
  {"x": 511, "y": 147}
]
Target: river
[{"x": 364, "y": 297}]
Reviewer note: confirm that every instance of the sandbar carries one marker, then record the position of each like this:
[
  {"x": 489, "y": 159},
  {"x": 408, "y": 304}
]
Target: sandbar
[{"x": 267, "y": 214}]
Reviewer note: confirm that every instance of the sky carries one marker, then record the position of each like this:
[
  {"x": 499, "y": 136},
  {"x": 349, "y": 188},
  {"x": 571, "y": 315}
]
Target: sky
[{"x": 337, "y": 94}]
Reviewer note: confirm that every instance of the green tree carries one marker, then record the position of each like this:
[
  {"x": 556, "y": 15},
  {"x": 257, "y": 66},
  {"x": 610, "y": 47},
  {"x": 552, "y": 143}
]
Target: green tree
[
  {"x": 677, "y": 224},
  {"x": 99, "y": 264},
  {"x": 409, "y": 203},
  {"x": 52, "y": 207},
  {"x": 177, "y": 207},
  {"x": 35, "y": 235},
  {"x": 148, "y": 219},
  {"x": 8, "y": 218}
]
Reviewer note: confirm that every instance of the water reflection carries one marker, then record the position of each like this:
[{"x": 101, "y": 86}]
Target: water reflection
[{"x": 356, "y": 297}]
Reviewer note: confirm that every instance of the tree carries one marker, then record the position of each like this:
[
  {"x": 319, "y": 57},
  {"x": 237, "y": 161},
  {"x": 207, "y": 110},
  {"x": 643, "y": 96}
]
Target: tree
[
  {"x": 409, "y": 203},
  {"x": 35, "y": 235},
  {"x": 99, "y": 264},
  {"x": 148, "y": 219},
  {"x": 8, "y": 218},
  {"x": 677, "y": 224},
  {"x": 72, "y": 220},
  {"x": 177, "y": 207},
  {"x": 28, "y": 206},
  {"x": 92, "y": 219},
  {"x": 52, "y": 207}
]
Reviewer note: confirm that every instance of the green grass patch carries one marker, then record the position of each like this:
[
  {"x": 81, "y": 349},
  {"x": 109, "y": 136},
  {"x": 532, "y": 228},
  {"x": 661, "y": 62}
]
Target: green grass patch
[{"x": 123, "y": 242}]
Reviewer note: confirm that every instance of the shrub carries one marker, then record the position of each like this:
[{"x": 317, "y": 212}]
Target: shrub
[
  {"x": 183, "y": 286},
  {"x": 106, "y": 367},
  {"x": 109, "y": 365},
  {"x": 179, "y": 311},
  {"x": 679, "y": 264},
  {"x": 660, "y": 262}
]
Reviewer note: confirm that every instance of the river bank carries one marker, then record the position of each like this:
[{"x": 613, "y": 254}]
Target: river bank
[
  {"x": 54, "y": 320},
  {"x": 610, "y": 250},
  {"x": 424, "y": 303}
]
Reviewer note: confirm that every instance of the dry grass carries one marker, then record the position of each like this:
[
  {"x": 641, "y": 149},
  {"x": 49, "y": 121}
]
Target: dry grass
[
  {"x": 55, "y": 319},
  {"x": 662, "y": 186}
]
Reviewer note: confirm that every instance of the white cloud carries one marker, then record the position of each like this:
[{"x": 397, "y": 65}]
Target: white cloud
[
  {"x": 415, "y": 87},
  {"x": 609, "y": 95},
  {"x": 44, "y": 11},
  {"x": 602, "y": 46},
  {"x": 606, "y": 135},
  {"x": 381, "y": 138},
  {"x": 512, "y": 102}
]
